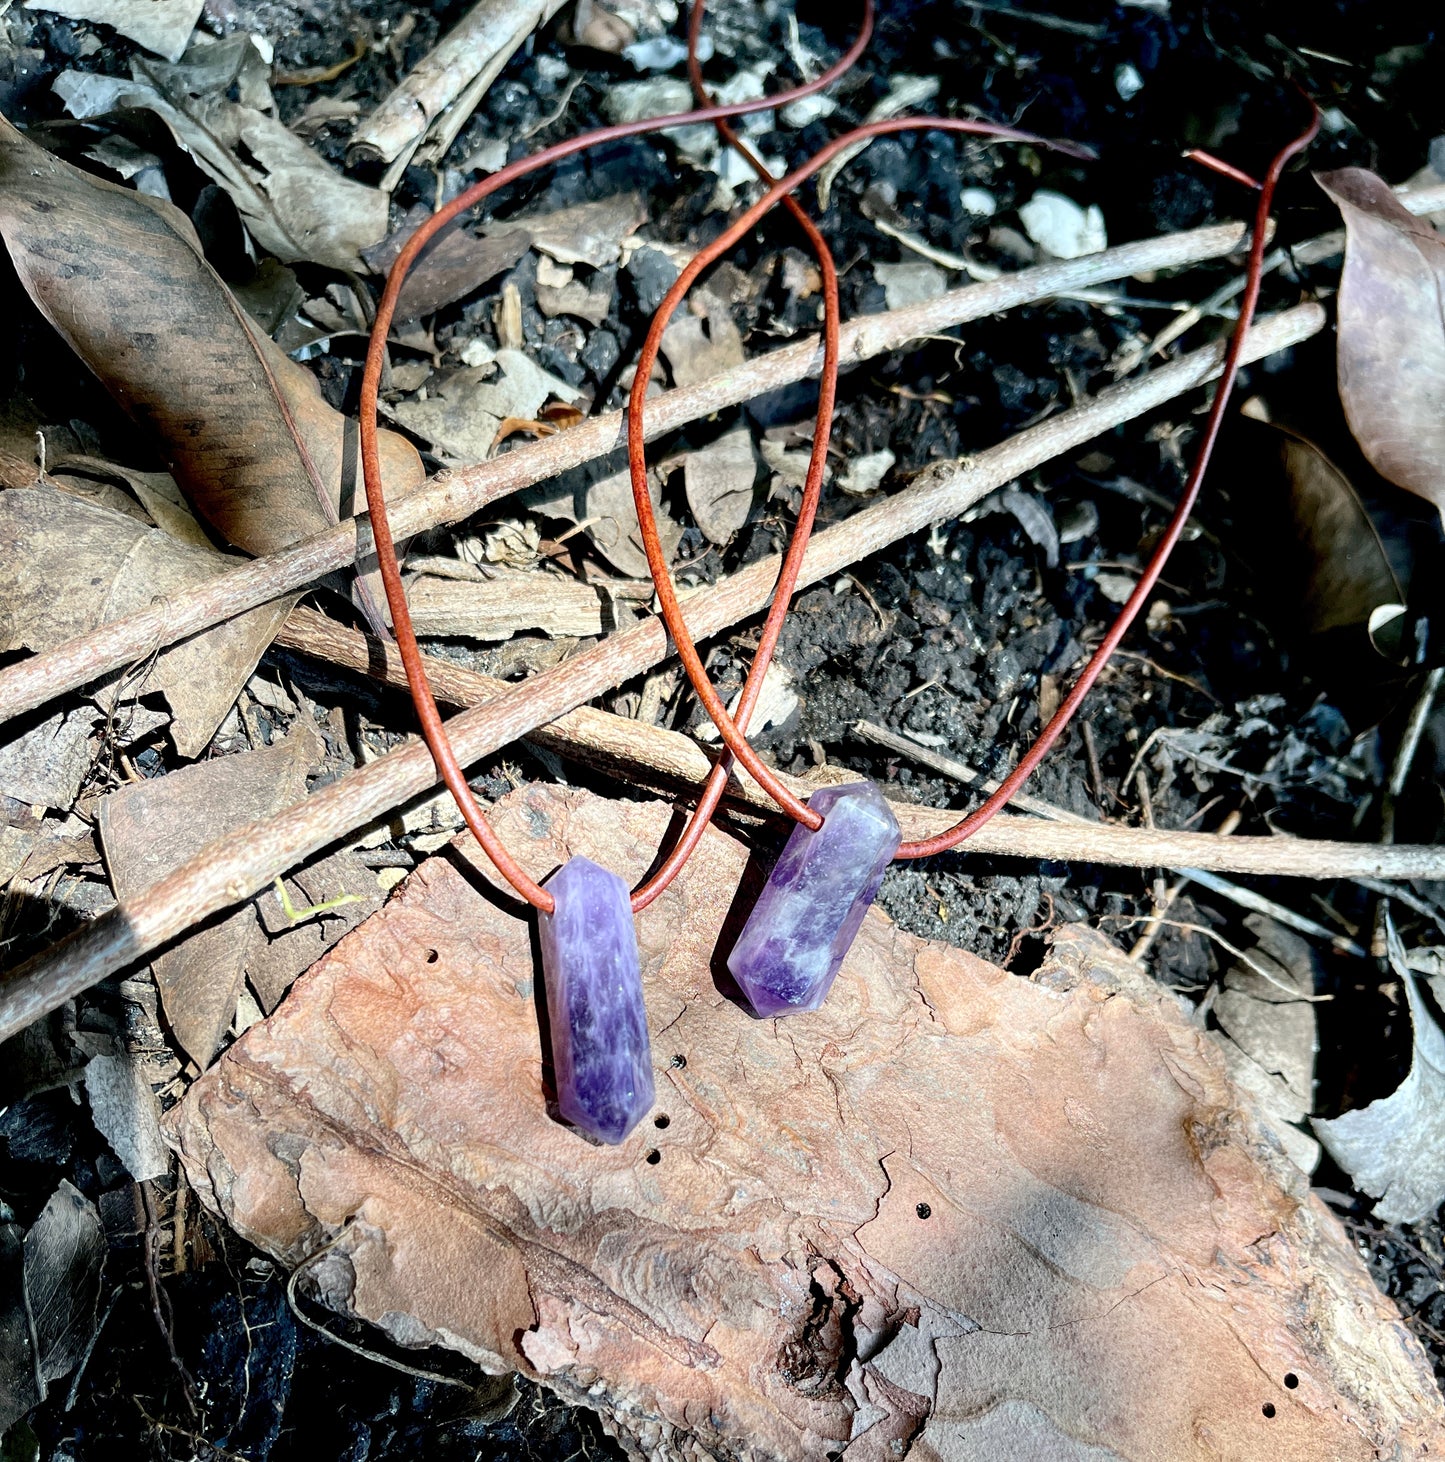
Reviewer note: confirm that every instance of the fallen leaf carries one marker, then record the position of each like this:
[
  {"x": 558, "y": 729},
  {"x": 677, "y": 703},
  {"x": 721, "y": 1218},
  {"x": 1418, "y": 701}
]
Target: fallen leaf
[
  {"x": 788, "y": 464},
  {"x": 162, "y": 26},
  {"x": 251, "y": 441},
  {"x": 1394, "y": 1149},
  {"x": 1348, "y": 572},
  {"x": 910, "y": 283},
  {"x": 1269, "y": 1032},
  {"x": 156, "y": 492},
  {"x": 865, "y": 474},
  {"x": 696, "y": 348},
  {"x": 16, "y": 844},
  {"x": 126, "y": 1113},
  {"x": 74, "y": 566},
  {"x": 64, "y": 842},
  {"x": 585, "y": 233},
  {"x": 44, "y": 762},
  {"x": 64, "y": 1257},
  {"x": 463, "y": 412},
  {"x": 18, "y": 1391},
  {"x": 719, "y": 479},
  {"x": 296, "y": 205},
  {"x": 591, "y": 302},
  {"x": 453, "y": 265},
  {"x": 1391, "y": 333},
  {"x": 327, "y": 898},
  {"x": 662, "y": 96},
  {"x": 952, "y": 1208},
  {"x": 148, "y": 829},
  {"x": 609, "y": 517},
  {"x": 776, "y": 703},
  {"x": 1033, "y": 514}
]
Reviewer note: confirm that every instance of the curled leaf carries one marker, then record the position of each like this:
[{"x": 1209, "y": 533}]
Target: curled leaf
[
  {"x": 1394, "y": 1149},
  {"x": 253, "y": 444},
  {"x": 1392, "y": 333},
  {"x": 295, "y": 204}
]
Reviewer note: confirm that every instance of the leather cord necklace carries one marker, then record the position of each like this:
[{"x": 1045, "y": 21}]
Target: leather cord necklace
[{"x": 831, "y": 868}]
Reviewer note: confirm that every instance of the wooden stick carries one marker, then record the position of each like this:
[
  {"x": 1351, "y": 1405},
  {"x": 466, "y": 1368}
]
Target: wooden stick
[
  {"x": 237, "y": 867},
  {"x": 450, "y": 497},
  {"x": 637, "y": 751},
  {"x": 453, "y": 74}
]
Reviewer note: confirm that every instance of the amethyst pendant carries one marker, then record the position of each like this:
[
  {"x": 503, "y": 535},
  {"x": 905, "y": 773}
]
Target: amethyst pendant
[
  {"x": 814, "y": 901},
  {"x": 600, "y": 1050}
]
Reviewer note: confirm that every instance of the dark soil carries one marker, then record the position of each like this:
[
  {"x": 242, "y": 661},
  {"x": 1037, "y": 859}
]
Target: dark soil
[{"x": 951, "y": 637}]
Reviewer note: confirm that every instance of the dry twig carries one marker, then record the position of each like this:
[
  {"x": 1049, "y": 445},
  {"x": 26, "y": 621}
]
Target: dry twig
[
  {"x": 450, "y": 497},
  {"x": 236, "y": 868}
]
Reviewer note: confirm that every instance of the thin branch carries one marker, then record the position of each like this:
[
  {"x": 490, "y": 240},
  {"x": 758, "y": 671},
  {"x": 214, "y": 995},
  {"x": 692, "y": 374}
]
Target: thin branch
[
  {"x": 238, "y": 866},
  {"x": 451, "y": 497},
  {"x": 655, "y": 757}
]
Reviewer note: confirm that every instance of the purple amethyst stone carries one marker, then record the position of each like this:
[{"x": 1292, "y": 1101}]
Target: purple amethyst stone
[
  {"x": 814, "y": 900},
  {"x": 600, "y": 1051}
]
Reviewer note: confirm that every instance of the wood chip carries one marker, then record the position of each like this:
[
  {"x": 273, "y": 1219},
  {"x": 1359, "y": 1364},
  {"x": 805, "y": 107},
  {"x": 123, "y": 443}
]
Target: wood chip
[
  {"x": 974, "y": 1214},
  {"x": 499, "y": 607}
]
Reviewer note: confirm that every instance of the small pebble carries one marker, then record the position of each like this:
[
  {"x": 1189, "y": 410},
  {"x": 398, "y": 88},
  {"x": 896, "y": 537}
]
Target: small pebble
[
  {"x": 1063, "y": 227},
  {"x": 979, "y": 202}
]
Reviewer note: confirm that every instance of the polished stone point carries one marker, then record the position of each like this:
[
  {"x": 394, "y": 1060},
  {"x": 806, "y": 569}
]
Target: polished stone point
[
  {"x": 600, "y": 1051},
  {"x": 814, "y": 900}
]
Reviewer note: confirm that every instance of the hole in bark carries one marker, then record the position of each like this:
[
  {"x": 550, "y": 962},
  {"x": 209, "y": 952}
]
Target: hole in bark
[
  {"x": 431, "y": 956},
  {"x": 654, "y": 1157},
  {"x": 679, "y": 1062},
  {"x": 661, "y": 1120},
  {"x": 923, "y": 1211},
  {"x": 1290, "y": 1380},
  {"x": 1268, "y": 1408}
]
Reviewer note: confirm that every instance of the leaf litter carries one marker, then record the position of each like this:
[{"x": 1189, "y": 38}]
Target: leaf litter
[
  {"x": 295, "y": 204},
  {"x": 915, "y": 1348},
  {"x": 249, "y": 438}
]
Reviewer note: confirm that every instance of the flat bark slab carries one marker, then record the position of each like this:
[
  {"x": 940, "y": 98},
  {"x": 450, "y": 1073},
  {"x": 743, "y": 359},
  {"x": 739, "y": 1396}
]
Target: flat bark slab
[{"x": 954, "y": 1214}]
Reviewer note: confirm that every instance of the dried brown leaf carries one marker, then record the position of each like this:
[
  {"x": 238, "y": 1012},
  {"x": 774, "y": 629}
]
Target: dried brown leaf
[
  {"x": 463, "y": 412},
  {"x": 296, "y": 205},
  {"x": 253, "y": 444},
  {"x": 1348, "y": 574},
  {"x": 452, "y": 266},
  {"x": 719, "y": 480},
  {"x": 150, "y": 828},
  {"x": 952, "y": 1208},
  {"x": 72, "y": 566},
  {"x": 64, "y": 1257},
  {"x": 327, "y": 897},
  {"x": 586, "y": 233},
  {"x": 162, "y": 26},
  {"x": 1392, "y": 333}
]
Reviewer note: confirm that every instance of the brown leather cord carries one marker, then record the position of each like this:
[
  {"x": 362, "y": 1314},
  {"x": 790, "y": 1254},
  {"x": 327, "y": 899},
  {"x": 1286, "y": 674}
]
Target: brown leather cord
[
  {"x": 432, "y": 726},
  {"x": 927, "y": 847},
  {"x": 683, "y": 642},
  {"x": 717, "y": 781}
]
